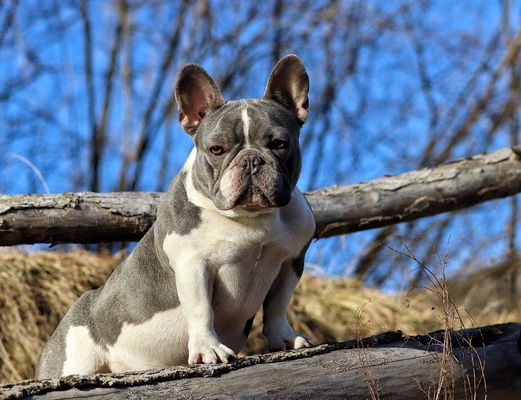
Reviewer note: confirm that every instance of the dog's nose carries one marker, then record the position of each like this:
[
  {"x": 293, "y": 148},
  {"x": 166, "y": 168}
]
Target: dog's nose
[{"x": 251, "y": 163}]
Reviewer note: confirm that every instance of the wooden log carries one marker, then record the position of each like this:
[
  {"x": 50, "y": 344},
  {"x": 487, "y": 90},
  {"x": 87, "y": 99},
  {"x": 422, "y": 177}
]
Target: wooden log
[
  {"x": 76, "y": 217},
  {"x": 100, "y": 217},
  {"x": 472, "y": 363}
]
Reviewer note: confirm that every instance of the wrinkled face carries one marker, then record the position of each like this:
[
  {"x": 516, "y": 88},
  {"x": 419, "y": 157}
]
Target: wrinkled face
[{"x": 247, "y": 155}]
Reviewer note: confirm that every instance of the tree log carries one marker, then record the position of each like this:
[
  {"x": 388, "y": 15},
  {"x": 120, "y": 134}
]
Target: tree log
[
  {"x": 100, "y": 217},
  {"x": 459, "y": 364}
]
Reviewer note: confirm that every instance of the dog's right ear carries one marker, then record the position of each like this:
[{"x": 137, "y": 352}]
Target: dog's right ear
[{"x": 196, "y": 94}]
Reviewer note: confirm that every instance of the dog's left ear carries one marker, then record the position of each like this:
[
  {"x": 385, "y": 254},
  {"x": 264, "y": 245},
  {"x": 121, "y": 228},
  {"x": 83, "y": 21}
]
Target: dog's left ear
[
  {"x": 196, "y": 94},
  {"x": 288, "y": 85}
]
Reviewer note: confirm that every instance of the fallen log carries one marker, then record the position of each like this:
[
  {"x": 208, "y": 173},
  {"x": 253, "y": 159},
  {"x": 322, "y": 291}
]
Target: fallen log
[
  {"x": 126, "y": 216},
  {"x": 471, "y": 363}
]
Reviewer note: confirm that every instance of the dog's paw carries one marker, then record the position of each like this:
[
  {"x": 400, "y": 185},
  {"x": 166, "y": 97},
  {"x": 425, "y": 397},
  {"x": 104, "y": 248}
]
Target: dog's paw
[
  {"x": 295, "y": 341},
  {"x": 209, "y": 352},
  {"x": 302, "y": 342},
  {"x": 281, "y": 337}
]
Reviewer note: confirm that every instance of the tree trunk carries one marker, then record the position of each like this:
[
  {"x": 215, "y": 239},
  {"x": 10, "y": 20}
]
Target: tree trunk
[
  {"x": 99, "y": 217},
  {"x": 472, "y": 363}
]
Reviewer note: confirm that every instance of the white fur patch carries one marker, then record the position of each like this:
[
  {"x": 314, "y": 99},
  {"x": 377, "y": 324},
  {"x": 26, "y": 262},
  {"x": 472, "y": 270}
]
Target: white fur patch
[
  {"x": 82, "y": 355},
  {"x": 190, "y": 160},
  {"x": 157, "y": 343},
  {"x": 226, "y": 184},
  {"x": 246, "y": 126}
]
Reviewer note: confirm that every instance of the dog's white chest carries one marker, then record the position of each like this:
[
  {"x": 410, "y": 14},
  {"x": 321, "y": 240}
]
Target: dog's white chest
[
  {"x": 242, "y": 283},
  {"x": 245, "y": 257}
]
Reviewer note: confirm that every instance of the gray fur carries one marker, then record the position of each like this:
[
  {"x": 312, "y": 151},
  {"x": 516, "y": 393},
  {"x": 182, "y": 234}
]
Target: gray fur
[
  {"x": 288, "y": 85},
  {"x": 124, "y": 298},
  {"x": 52, "y": 358},
  {"x": 298, "y": 263},
  {"x": 196, "y": 93},
  {"x": 53, "y": 354},
  {"x": 247, "y": 327},
  {"x": 177, "y": 213}
]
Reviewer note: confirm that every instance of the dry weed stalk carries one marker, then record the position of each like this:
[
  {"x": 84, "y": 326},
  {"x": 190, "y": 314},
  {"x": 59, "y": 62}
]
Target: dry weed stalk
[
  {"x": 373, "y": 385},
  {"x": 451, "y": 319}
]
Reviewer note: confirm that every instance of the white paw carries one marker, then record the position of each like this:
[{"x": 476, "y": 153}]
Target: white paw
[
  {"x": 288, "y": 343},
  {"x": 209, "y": 352},
  {"x": 301, "y": 342},
  {"x": 281, "y": 336}
]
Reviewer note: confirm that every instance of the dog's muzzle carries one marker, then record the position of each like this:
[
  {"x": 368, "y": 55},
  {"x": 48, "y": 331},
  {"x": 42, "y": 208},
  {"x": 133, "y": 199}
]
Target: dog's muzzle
[{"x": 251, "y": 181}]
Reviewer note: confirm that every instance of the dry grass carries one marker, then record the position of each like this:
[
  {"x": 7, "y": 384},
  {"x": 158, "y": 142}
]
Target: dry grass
[{"x": 36, "y": 289}]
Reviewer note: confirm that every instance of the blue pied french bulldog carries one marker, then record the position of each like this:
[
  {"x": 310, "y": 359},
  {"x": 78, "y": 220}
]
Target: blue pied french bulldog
[{"x": 230, "y": 237}]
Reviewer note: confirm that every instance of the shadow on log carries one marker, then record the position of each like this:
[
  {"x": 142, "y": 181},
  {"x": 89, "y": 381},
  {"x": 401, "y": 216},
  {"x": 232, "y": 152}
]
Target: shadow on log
[{"x": 471, "y": 363}]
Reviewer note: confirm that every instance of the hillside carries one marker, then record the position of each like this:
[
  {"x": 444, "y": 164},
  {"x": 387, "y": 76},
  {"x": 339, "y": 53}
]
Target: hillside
[{"x": 37, "y": 288}]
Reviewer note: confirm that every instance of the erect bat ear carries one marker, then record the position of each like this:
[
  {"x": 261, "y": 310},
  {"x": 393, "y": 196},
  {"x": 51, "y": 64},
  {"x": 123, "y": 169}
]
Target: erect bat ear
[
  {"x": 196, "y": 94},
  {"x": 288, "y": 85}
]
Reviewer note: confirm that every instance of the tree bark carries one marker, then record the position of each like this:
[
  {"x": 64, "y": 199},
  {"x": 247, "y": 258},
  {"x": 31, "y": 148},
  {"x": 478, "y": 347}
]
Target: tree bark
[
  {"x": 454, "y": 364},
  {"x": 122, "y": 216}
]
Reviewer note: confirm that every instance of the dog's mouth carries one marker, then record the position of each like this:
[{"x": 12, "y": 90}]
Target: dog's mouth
[{"x": 253, "y": 197}]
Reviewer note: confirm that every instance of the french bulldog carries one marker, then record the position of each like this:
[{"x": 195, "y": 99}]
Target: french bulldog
[{"x": 230, "y": 237}]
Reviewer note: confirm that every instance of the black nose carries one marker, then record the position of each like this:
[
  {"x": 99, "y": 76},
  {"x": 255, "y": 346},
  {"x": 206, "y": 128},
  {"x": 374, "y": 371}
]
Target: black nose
[{"x": 251, "y": 163}]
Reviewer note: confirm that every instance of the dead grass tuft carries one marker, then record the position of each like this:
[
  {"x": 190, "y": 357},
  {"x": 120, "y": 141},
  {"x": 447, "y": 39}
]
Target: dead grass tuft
[{"x": 36, "y": 289}]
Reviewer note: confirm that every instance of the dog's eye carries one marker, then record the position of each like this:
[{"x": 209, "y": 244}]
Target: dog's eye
[
  {"x": 278, "y": 144},
  {"x": 216, "y": 150}
]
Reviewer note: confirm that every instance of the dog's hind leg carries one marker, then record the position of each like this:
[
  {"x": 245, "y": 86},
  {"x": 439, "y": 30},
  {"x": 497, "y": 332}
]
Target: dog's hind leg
[
  {"x": 82, "y": 355},
  {"x": 72, "y": 349}
]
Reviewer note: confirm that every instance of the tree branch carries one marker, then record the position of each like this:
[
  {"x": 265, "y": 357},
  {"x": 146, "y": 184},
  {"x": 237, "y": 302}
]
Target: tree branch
[{"x": 97, "y": 217}]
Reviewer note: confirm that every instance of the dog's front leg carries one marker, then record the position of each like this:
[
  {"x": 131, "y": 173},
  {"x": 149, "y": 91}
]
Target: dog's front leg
[
  {"x": 276, "y": 328},
  {"x": 194, "y": 281}
]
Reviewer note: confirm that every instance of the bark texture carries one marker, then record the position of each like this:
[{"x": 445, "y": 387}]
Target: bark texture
[
  {"x": 76, "y": 217},
  {"x": 462, "y": 364},
  {"x": 122, "y": 216}
]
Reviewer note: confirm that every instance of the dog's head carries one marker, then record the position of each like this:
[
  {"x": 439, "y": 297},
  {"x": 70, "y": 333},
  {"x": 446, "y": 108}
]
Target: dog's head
[{"x": 247, "y": 151}]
